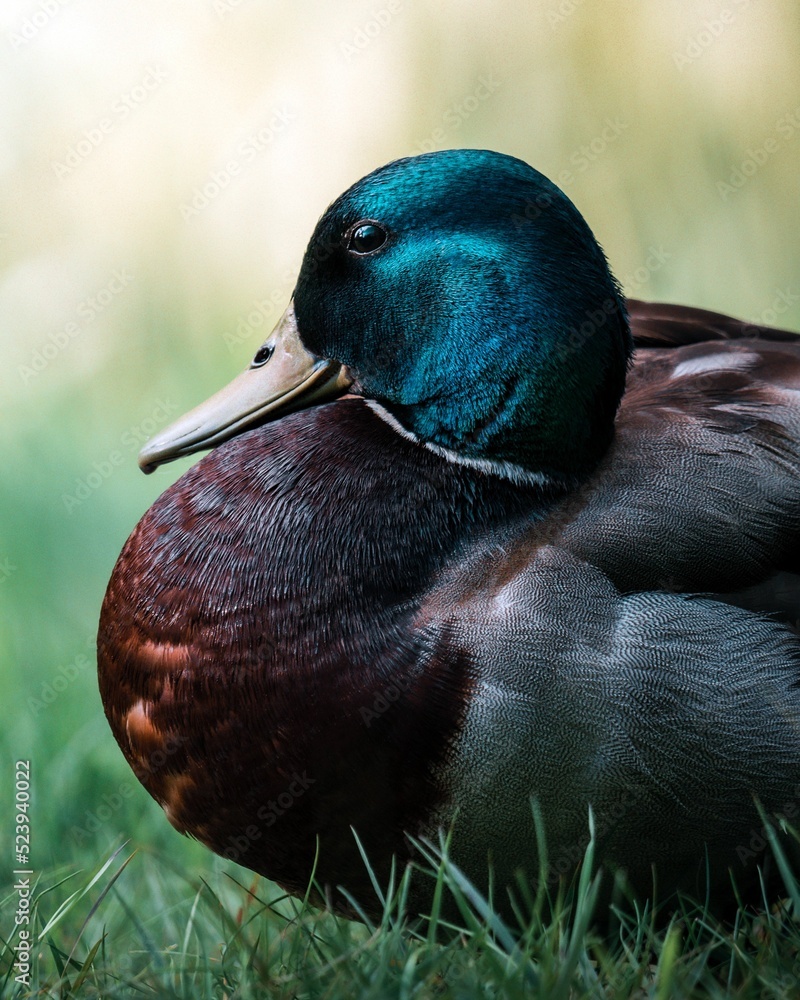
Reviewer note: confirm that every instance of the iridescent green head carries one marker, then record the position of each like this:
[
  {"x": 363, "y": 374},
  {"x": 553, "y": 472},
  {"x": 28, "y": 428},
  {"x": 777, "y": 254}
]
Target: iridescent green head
[{"x": 466, "y": 294}]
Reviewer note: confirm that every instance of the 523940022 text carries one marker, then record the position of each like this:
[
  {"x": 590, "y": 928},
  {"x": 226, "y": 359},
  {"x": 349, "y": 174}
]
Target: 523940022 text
[{"x": 22, "y": 871}]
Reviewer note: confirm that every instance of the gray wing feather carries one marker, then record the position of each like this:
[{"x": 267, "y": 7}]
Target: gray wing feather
[{"x": 665, "y": 713}]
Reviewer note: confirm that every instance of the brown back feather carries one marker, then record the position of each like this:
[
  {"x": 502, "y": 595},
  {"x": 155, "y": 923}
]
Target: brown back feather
[{"x": 658, "y": 324}]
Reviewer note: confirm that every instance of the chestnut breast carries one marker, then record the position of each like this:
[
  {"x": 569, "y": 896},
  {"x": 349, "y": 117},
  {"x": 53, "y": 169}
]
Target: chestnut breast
[{"x": 262, "y": 661}]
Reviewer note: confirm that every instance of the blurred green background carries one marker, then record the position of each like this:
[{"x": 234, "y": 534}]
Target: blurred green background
[{"x": 163, "y": 164}]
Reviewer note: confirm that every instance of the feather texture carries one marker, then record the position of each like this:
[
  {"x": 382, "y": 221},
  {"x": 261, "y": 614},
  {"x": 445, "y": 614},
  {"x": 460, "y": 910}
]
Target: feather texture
[{"x": 468, "y": 583}]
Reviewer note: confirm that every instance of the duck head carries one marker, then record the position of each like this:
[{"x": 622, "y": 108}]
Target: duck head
[{"x": 463, "y": 294}]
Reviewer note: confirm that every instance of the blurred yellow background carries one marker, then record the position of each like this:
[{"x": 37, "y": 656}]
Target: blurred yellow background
[{"x": 163, "y": 163}]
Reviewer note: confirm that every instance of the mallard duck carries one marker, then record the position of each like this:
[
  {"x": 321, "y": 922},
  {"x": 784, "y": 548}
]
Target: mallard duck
[{"x": 475, "y": 532}]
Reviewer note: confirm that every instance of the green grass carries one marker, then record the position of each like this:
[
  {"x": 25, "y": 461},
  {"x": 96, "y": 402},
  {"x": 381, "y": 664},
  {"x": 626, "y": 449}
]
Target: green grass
[
  {"x": 137, "y": 925},
  {"x": 177, "y": 921}
]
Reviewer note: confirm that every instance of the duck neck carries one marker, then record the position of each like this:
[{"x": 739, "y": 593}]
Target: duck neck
[
  {"x": 536, "y": 406},
  {"x": 427, "y": 506}
]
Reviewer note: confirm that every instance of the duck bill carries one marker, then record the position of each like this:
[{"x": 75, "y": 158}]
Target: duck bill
[{"x": 290, "y": 379}]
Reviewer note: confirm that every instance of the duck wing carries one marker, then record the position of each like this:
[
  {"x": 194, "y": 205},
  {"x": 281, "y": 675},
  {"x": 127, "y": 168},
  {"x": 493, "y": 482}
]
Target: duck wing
[
  {"x": 660, "y": 324},
  {"x": 664, "y": 712},
  {"x": 700, "y": 491}
]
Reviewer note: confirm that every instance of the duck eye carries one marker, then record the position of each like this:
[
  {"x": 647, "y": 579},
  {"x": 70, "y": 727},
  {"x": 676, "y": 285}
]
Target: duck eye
[
  {"x": 366, "y": 237},
  {"x": 263, "y": 354}
]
